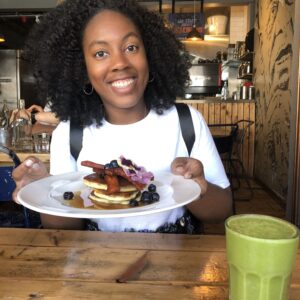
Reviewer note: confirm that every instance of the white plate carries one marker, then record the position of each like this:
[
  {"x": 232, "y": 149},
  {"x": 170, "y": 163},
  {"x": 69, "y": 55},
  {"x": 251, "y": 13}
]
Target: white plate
[{"x": 46, "y": 196}]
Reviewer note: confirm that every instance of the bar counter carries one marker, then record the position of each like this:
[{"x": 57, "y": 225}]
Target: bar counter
[{"x": 218, "y": 111}]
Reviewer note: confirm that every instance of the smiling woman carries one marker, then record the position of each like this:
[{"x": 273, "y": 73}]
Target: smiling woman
[
  {"x": 114, "y": 70},
  {"x": 117, "y": 65}
]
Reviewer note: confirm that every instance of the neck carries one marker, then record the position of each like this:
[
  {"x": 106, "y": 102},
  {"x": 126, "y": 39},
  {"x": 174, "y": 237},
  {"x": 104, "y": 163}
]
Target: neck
[{"x": 124, "y": 116}]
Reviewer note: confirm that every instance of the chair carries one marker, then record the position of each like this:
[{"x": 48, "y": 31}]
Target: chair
[
  {"x": 224, "y": 136},
  {"x": 236, "y": 158},
  {"x": 229, "y": 139},
  {"x": 8, "y": 185}
]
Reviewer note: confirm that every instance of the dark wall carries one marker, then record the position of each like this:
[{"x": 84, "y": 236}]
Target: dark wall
[{"x": 15, "y": 30}]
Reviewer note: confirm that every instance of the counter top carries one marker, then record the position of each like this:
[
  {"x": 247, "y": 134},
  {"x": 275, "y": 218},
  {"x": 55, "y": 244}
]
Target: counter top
[{"x": 212, "y": 100}]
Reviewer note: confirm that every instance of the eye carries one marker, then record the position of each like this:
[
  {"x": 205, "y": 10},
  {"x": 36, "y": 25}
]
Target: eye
[
  {"x": 101, "y": 54},
  {"x": 132, "y": 48}
]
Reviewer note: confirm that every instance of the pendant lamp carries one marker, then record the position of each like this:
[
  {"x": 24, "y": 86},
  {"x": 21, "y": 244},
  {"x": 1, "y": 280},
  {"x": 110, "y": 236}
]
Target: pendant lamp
[
  {"x": 194, "y": 34},
  {"x": 2, "y": 38}
]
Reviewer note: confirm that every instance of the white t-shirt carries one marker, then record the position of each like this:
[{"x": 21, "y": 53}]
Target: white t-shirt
[{"x": 153, "y": 142}]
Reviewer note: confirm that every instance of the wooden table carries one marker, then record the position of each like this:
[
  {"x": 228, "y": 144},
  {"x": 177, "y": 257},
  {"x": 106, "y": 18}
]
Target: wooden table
[
  {"x": 50, "y": 264},
  {"x": 5, "y": 160}
]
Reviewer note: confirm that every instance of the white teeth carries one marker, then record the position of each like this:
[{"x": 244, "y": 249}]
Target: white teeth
[{"x": 122, "y": 83}]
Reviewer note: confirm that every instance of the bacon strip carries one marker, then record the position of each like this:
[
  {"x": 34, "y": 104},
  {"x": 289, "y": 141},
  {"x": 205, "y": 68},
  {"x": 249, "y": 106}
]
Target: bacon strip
[
  {"x": 99, "y": 169},
  {"x": 113, "y": 185},
  {"x": 90, "y": 164}
]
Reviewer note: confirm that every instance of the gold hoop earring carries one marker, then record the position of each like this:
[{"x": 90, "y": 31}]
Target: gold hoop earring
[
  {"x": 88, "y": 92},
  {"x": 151, "y": 80}
]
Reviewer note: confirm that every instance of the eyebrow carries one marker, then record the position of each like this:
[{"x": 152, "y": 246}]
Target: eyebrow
[{"x": 128, "y": 35}]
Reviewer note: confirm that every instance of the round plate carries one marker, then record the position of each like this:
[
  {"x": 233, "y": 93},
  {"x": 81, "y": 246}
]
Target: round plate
[{"x": 46, "y": 196}]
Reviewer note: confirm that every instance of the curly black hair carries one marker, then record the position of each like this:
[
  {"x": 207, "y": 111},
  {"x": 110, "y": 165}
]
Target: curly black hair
[{"x": 54, "y": 49}]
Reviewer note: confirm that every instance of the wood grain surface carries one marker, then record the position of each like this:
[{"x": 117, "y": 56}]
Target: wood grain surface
[{"x": 53, "y": 264}]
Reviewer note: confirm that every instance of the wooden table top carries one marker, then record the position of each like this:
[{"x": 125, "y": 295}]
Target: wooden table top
[
  {"x": 53, "y": 264},
  {"x": 6, "y": 160}
]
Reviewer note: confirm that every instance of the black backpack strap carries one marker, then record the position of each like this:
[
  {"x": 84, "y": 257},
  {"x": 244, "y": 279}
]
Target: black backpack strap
[
  {"x": 186, "y": 124},
  {"x": 76, "y": 133}
]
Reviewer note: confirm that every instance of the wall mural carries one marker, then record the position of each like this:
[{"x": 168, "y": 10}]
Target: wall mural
[{"x": 273, "y": 56}]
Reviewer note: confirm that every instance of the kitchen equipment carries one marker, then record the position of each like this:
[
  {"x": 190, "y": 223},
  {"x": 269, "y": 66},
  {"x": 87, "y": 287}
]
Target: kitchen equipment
[{"x": 205, "y": 79}]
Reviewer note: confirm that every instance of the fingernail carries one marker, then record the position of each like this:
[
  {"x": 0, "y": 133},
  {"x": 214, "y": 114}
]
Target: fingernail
[
  {"x": 179, "y": 168},
  {"x": 28, "y": 163},
  {"x": 188, "y": 175},
  {"x": 35, "y": 166}
]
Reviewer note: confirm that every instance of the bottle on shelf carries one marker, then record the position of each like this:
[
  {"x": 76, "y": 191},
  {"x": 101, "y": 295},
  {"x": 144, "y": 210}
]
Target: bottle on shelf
[
  {"x": 225, "y": 91},
  {"x": 21, "y": 128},
  {"x": 4, "y": 115}
]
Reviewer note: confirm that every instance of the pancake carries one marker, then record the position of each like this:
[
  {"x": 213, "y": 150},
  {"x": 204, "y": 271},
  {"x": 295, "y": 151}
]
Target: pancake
[
  {"x": 99, "y": 196},
  {"x": 115, "y": 197},
  {"x": 95, "y": 181}
]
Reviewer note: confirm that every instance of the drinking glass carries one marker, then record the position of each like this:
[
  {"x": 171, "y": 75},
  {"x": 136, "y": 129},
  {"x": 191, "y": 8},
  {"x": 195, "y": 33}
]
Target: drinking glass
[
  {"x": 41, "y": 142},
  {"x": 261, "y": 252}
]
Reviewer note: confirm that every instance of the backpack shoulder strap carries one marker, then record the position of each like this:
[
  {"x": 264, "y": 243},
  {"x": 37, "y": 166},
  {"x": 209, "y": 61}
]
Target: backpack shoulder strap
[
  {"x": 186, "y": 124},
  {"x": 76, "y": 132}
]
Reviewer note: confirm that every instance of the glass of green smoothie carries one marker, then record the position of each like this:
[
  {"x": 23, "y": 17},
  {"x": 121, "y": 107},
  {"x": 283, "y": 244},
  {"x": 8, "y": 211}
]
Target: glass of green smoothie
[{"x": 261, "y": 252}]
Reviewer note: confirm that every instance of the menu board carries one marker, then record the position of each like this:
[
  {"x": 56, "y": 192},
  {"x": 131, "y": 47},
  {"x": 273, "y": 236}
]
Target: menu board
[{"x": 182, "y": 23}]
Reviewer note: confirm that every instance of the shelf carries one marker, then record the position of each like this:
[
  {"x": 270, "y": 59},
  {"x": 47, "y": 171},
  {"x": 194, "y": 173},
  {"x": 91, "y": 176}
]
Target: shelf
[
  {"x": 234, "y": 63},
  {"x": 246, "y": 76}
]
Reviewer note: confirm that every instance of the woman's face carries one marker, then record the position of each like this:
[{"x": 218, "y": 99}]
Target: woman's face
[{"x": 116, "y": 60}]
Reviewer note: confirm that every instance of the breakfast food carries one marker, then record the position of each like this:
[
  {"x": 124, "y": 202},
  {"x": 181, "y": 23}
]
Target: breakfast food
[{"x": 120, "y": 182}]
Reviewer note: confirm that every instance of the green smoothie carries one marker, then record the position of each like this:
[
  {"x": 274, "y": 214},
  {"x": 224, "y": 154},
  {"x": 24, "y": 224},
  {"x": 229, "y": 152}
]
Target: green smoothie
[{"x": 261, "y": 252}]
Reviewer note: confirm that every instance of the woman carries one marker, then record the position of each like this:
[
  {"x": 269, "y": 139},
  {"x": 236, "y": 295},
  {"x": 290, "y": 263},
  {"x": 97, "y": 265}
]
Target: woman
[{"x": 115, "y": 68}]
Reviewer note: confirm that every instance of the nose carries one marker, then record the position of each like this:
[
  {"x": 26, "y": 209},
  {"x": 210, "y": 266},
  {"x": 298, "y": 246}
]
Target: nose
[{"x": 119, "y": 61}]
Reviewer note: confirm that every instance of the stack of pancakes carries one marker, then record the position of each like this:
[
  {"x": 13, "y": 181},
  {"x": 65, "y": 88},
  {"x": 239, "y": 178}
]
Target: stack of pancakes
[{"x": 101, "y": 196}]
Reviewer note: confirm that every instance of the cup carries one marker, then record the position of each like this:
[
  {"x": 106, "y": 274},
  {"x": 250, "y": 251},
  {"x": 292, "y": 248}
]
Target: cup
[
  {"x": 41, "y": 142},
  {"x": 5, "y": 137},
  {"x": 261, "y": 252}
]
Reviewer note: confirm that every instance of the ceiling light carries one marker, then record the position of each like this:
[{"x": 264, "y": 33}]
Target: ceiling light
[{"x": 194, "y": 34}]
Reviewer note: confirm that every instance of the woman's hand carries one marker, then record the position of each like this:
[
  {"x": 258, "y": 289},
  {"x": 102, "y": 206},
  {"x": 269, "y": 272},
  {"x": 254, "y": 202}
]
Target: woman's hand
[
  {"x": 215, "y": 203},
  {"x": 30, "y": 170},
  {"x": 190, "y": 168},
  {"x": 35, "y": 108},
  {"x": 23, "y": 113}
]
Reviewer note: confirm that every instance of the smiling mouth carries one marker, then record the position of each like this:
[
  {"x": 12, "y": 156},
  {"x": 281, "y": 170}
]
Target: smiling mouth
[{"x": 120, "y": 84}]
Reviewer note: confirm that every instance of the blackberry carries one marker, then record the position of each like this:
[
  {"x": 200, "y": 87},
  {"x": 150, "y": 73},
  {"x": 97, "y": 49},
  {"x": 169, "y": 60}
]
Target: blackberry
[{"x": 68, "y": 195}]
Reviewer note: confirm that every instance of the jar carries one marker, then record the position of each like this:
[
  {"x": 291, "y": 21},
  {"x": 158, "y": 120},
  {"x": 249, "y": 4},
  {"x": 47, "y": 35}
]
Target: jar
[
  {"x": 244, "y": 92},
  {"x": 251, "y": 92}
]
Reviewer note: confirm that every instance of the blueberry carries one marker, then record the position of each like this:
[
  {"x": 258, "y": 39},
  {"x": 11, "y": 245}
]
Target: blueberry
[
  {"x": 146, "y": 197},
  {"x": 107, "y": 166},
  {"x": 152, "y": 188},
  {"x": 114, "y": 164},
  {"x": 68, "y": 195},
  {"x": 133, "y": 203},
  {"x": 155, "y": 197}
]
